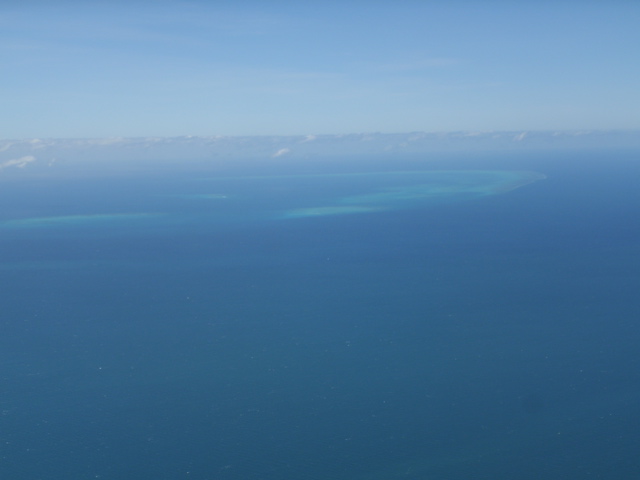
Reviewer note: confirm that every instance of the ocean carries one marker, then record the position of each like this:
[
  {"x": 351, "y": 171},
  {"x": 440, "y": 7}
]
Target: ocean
[{"x": 399, "y": 317}]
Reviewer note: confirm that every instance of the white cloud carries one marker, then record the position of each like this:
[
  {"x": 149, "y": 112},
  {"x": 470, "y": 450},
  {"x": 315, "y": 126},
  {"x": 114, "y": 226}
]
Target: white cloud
[
  {"x": 520, "y": 137},
  {"x": 18, "y": 162},
  {"x": 279, "y": 153}
]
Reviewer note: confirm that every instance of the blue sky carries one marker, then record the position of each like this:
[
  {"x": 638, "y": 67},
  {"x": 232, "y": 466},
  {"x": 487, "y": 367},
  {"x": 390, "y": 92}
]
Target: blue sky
[{"x": 103, "y": 69}]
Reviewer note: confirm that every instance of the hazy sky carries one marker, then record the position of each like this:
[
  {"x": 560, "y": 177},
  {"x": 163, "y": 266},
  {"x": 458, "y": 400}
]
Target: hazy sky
[{"x": 96, "y": 69}]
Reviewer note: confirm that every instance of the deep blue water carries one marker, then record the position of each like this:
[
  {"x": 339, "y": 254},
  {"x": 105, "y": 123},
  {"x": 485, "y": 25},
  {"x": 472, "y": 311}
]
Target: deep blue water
[{"x": 486, "y": 337}]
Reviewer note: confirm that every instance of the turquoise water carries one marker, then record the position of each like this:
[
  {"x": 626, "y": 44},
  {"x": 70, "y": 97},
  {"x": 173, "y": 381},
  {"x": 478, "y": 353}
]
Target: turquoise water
[{"x": 474, "y": 318}]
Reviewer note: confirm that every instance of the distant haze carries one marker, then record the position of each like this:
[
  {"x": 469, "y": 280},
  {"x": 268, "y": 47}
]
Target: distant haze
[{"x": 23, "y": 156}]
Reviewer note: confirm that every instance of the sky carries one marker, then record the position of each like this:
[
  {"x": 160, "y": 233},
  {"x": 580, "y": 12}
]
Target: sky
[{"x": 170, "y": 68}]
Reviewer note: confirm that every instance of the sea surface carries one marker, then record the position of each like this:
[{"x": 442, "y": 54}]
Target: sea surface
[{"x": 473, "y": 316}]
